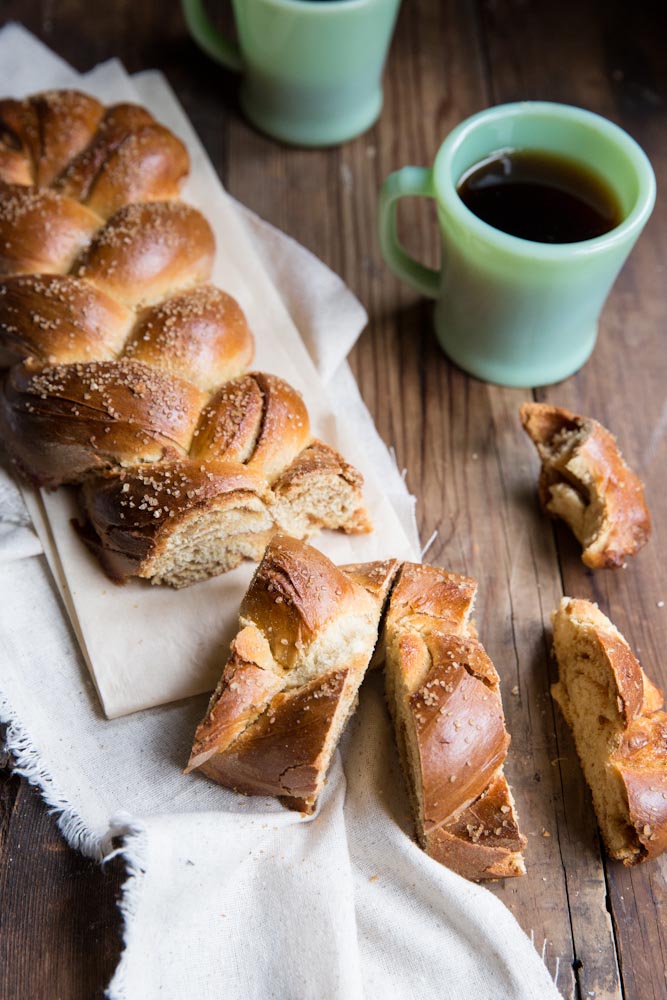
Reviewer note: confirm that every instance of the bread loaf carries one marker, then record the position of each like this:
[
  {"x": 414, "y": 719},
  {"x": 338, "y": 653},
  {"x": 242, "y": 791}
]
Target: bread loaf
[
  {"x": 585, "y": 481},
  {"x": 307, "y": 631},
  {"x": 125, "y": 365},
  {"x": 619, "y": 728},
  {"x": 443, "y": 694}
]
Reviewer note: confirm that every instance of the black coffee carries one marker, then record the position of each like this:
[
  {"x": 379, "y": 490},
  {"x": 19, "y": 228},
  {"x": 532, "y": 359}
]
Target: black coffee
[{"x": 540, "y": 196}]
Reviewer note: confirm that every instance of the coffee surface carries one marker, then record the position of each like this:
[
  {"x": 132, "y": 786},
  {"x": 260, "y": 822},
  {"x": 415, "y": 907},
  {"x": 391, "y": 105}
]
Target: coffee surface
[{"x": 540, "y": 196}]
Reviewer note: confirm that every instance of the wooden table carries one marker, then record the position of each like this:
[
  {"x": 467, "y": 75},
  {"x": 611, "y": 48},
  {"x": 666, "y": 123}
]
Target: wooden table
[{"x": 467, "y": 460}]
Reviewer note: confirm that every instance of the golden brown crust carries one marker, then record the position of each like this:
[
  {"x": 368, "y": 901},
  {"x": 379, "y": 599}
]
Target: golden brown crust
[
  {"x": 61, "y": 421},
  {"x": 585, "y": 480},
  {"x": 41, "y": 231},
  {"x": 635, "y": 747},
  {"x": 485, "y": 837},
  {"x": 444, "y": 695},
  {"x": 282, "y": 753},
  {"x": 295, "y": 593},
  {"x": 257, "y": 419},
  {"x": 200, "y": 335},
  {"x": 428, "y": 597},
  {"x": 460, "y": 727},
  {"x": 307, "y": 631},
  {"x": 230, "y": 422},
  {"x": 641, "y": 762},
  {"x": 131, "y": 158},
  {"x": 246, "y": 687},
  {"x": 58, "y": 319},
  {"x": 285, "y": 428},
  {"x": 17, "y": 134},
  {"x": 44, "y": 133},
  {"x": 375, "y": 577},
  {"x": 148, "y": 251}
]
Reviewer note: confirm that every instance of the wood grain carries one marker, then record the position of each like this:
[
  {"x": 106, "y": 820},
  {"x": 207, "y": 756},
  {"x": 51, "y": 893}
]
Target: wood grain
[{"x": 601, "y": 928}]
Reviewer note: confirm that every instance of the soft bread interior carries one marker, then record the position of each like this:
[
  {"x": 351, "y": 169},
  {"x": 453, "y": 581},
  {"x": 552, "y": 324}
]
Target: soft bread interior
[
  {"x": 572, "y": 493},
  {"x": 398, "y": 690},
  {"x": 589, "y": 699},
  {"x": 321, "y": 500},
  {"x": 212, "y": 540}
]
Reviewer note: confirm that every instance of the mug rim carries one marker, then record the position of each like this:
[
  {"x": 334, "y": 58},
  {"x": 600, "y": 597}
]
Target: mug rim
[
  {"x": 317, "y": 8},
  {"x": 447, "y": 195}
]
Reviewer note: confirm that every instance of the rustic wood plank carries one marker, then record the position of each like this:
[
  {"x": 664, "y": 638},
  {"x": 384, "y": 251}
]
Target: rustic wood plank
[
  {"x": 437, "y": 420},
  {"x": 60, "y": 921},
  {"x": 600, "y": 59}
]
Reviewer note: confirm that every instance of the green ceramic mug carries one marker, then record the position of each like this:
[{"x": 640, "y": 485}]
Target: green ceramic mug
[
  {"x": 510, "y": 310},
  {"x": 312, "y": 69}
]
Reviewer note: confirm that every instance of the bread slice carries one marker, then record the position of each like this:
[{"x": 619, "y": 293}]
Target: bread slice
[
  {"x": 175, "y": 522},
  {"x": 307, "y": 631},
  {"x": 443, "y": 694},
  {"x": 319, "y": 489},
  {"x": 619, "y": 729},
  {"x": 585, "y": 482}
]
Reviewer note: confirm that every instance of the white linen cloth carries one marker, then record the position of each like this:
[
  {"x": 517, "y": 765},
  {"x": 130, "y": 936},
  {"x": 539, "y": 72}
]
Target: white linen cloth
[{"x": 233, "y": 897}]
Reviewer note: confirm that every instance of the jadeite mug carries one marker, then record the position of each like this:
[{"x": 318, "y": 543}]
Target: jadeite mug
[
  {"x": 509, "y": 310},
  {"x": 312, "y": 69}
]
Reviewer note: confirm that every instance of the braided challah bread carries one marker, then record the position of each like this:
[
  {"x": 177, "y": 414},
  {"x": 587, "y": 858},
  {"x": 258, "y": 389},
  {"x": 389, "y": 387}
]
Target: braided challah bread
[
  {"x": 125, "y": 365},
  {"x": 307, "y": 630},
  {"x": 619, "y": 726},
  {"x": 443, "y": 693}
]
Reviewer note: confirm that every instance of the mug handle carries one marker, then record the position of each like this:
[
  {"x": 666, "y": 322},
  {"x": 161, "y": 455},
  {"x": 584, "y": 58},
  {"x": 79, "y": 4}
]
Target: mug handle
[
  {"x": 415, "y": 182},
  {"x": 209, "y": 38}
]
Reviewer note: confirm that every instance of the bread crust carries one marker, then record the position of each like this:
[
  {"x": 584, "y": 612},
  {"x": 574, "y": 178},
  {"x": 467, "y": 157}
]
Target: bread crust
[
  {"x": 257, "y": 419},
  {"x": 295, "y": 594},
  {"x": 636, "y": 745},
  {"x": 63, "y": 421},
  {"x": 585, "y": 480},
  {"x": 282, "y": 753},
  {"x": 148, "y": 251},
  {"x": 444, "y": 696},
  {"x": 58, "y": 319},
  {"x": 40, "y": 135},
  {"x": 41, "y": 231},
  {"x": 306, "y": 635},
  {"x": 200, "y": 335}
]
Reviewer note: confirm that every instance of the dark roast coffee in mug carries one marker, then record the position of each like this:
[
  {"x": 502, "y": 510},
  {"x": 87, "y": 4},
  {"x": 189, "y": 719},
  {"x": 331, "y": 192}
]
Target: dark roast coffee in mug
[
  {"x": 540, "y": 196},
  {"x": 524, "y": 311}
]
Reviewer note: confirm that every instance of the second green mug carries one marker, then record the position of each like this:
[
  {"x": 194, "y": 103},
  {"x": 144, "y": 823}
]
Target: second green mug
[
  {"x": 312, "y": 69},
  {"x": 509, "y": 310}
]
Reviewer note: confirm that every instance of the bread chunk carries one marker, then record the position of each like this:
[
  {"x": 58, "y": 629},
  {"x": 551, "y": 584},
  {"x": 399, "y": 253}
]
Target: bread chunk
[
  {"x": 175, "y": 522},
  {"x": 444, "y": 697},
  {"x": 619, "y": 728},
  {"x": 307, "y": 631},
  {"x": 585, "y": 482}
]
